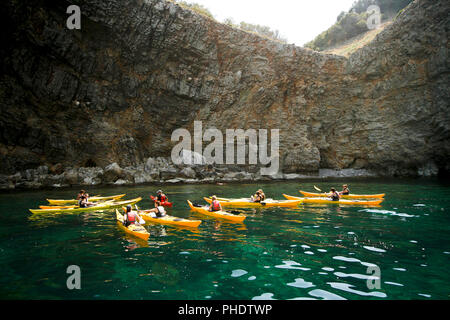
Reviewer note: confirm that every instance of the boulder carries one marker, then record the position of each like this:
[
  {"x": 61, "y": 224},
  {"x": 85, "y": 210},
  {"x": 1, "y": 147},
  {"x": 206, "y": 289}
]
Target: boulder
[{"x": 113, "y": 172}]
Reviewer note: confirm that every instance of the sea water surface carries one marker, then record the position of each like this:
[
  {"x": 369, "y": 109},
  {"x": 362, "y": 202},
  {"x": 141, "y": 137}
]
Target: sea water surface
[{"x": 308, "y": 252}]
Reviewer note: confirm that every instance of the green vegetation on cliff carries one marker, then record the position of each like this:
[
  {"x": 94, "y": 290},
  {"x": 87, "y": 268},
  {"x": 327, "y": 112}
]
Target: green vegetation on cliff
[
  {"x": 263, "y": 31},
  {"x": 195, "y": 7},
  {"x": 354, "y": 22}
]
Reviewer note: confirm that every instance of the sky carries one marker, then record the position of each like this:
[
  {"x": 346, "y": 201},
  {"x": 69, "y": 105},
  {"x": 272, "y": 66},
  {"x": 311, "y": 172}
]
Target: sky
[{"x": 298, "y": 21}]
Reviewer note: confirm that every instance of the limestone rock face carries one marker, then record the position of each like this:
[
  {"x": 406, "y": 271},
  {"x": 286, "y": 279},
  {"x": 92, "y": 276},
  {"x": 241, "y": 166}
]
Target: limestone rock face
[{"x": 114, "y": 91}]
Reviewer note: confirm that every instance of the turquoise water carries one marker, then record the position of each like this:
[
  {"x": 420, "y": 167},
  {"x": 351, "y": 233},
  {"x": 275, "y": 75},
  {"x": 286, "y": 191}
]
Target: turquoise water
[{"x": 313, "y": 251}]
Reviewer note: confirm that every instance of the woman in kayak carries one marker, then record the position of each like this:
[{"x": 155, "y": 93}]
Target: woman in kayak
[
  {"x": 215, "y": 204},
  {"x": 259, "y": 196},
  {"x": 84, "y": 203},
  {"x": 131, "y": 217},
  {"x": 158, "y": 209},
  {"x": 345, "y": 191},
  {"x": 334, "y": 195}
]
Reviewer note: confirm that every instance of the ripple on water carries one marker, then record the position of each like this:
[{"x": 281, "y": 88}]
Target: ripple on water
[
  {"x": 287, "y": 264},
  {"x": 238, "y": 273},
  {"x": 374, "y": 249},
  {"x": 394, "y": 283},
  {"x": 348, "y": 288},
  {"x": 264, "y": 296},
  {"x": 399, "y": 269},
  {"x": 355, "y": 275},
  {"x": 300, "y": 283},
  {"x": 327, "y": 269},
  {"x": 319, "y": 293},
  {"x": 392, "y": 213},
  {"x": 347, "y": 259}
]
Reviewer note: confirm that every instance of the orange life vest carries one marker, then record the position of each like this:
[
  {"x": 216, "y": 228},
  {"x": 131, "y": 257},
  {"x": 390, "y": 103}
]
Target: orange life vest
[{"x": 215, "y": 205}]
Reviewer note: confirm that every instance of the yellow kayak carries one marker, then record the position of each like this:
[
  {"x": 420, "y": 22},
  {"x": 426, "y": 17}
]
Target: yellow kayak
[
  {"x": 217, "y": 214},
  {"x": 92, "y": 199},
  {"x": 133, "y": 229},
  {"x": 248, "y": 203},
  {"x": 169, "y": 220},
  {"x": 341, "y": 201},
  {"x": 100, "y": 206},
  {"x": 348, "y": 196}
]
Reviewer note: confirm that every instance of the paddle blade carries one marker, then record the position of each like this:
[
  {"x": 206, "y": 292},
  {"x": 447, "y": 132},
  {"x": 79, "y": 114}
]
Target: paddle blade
[{"x": 317, "y": 189}]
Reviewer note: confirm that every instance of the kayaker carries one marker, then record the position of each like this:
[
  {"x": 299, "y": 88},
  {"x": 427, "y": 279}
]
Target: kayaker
[
  {"x": 259, "y": 196},
  {"x": 158, "y": 210},
  {"x": 334, "y": 195},
  {"x": 215, "y": 204},
  {"x": 161, "y": 197},
  {"x": 130, "y": 217},
  {"x": 84, "y": 203},
  {"x": 345, "y": 191},
  {"x": 80, "y": 194}
]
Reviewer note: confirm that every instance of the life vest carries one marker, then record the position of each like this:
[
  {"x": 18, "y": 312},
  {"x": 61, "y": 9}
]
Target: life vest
[
  {"x": 161, "y": 212},
  {"x": 346, "y": 192},
  {"x": 131, "y": 217},
  {"x": 335, "y": 196},
  {"x": 81, "y": 204},
  {"x": 215, "y": 206},
  {"x": 161, "y": 198}
]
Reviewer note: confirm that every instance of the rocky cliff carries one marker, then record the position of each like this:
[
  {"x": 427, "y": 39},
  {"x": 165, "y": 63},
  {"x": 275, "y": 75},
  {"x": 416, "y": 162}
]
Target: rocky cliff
[{"x": 108, "y": 97}]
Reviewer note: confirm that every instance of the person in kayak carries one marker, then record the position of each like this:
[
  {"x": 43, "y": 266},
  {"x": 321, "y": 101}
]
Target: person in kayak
[
  {"x": 161, "y": 197},
  {"x": 215, "y": 204},
  {"x": 158, "y": 209},
  {"x": 80, "y": 194},
  {"x": 345, "y": 191},
  {"x": 334, "y": 195},
  {"x": 84, "y": 203},
  {"x": 130, "y": 217},
  {"x": 259, "y": 196}
]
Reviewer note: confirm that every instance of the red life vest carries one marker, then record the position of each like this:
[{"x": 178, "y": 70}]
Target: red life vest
[
  {"x": 131, "y": 217},
  {"x": 162, "y": 198},
  {"x": 215, "y": 205}
]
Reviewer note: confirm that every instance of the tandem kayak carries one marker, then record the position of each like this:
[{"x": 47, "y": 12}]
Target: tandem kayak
[
  {"x": 217, "y": 214},
  {"x": 341, "y": 201},
  {"x": 169, "y": 220},
  {"x": 92, "y": 199},
  {"x": 100, "y": 206},
  {"x": 348, "y": 196},
  {"x": 133, "y": 229},
  {"x": 248, "y": 203},
  {"x": 166, "y": 204}
]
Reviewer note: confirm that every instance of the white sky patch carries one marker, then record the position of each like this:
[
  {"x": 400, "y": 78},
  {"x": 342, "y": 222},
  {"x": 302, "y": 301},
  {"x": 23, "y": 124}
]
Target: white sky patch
[{"x": 299, "y": 21}]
